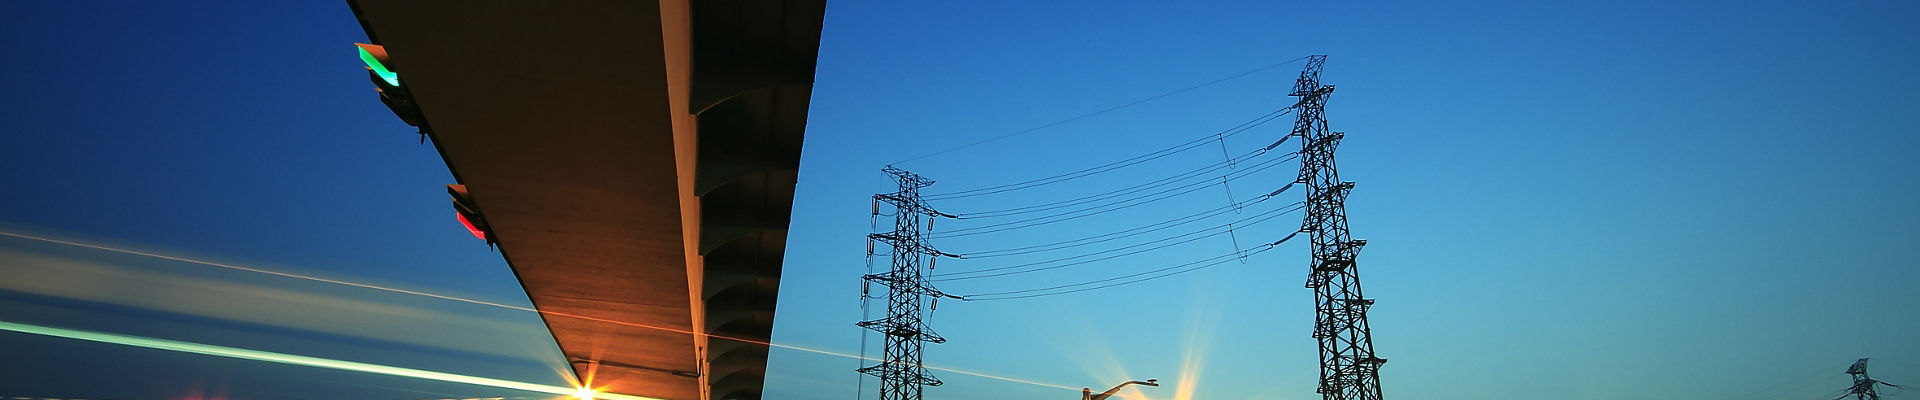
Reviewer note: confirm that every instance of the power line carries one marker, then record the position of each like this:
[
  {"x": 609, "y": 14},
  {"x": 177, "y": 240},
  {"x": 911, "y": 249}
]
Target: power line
[
  {"x": 1116, "y": 235},
  {"x": 1101, "y": 111},
  {"x": 1150, "y": 156},
  {"x": 1188, "y": 187},
  {"x": 1249, "y": 221},
  {"x": 1104, "y": 208},
  {"x": 1131, "y": 189},
  {"x": 1109, "y": 282}
]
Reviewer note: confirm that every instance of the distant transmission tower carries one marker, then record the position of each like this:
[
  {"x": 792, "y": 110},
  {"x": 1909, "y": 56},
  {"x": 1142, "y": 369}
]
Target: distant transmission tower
[
  {"x": 1863, "y": 386},
  {"x": 902, "y": 376},
  {"x": 1348, "y": 368}
]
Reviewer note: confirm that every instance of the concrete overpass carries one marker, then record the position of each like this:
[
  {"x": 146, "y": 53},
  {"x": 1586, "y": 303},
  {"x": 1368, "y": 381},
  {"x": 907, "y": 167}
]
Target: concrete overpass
[{"x": 635, "y": 162}]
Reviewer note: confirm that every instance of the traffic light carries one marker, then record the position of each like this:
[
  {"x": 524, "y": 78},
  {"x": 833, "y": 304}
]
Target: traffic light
[
  {"x": 469, "y": 213},
  {"x": 387, "y": 82}
]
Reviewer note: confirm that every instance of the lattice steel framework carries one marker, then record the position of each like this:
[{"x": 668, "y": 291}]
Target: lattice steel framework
[
  {"x": 1348, "y": 368},
  {"x": 1862, "y": 384},
  {"x": 902, "y": 376}
]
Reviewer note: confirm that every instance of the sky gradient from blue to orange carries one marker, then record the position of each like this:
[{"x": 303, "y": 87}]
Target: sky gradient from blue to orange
[{"x": 1593, "y": 201}]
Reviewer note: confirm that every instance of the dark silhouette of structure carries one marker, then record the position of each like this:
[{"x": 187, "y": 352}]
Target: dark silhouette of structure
[
  {"x": 1863, "y": 385},
  {"x": 1348, "y": 368},
  {"x": 1087, "y": 393},
  {"x": 902, "y": 376},
  {"x": 633, "y": 162}
]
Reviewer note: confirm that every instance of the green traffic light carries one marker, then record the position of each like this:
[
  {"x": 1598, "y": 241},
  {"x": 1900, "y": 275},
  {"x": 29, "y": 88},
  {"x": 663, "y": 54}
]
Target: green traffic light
[{"x": 378, "y": 68}]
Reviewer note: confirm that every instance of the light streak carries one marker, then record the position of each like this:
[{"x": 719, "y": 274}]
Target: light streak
[
  {"x": 262, "y": 271},
  {"x": 510, "y": 307},
  {"x": 1002, "y": 378},
  {"x": 291, "y": 359}
]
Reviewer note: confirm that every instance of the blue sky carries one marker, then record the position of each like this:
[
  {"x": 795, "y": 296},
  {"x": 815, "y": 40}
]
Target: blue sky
[{"x": 1582, "y": 201}]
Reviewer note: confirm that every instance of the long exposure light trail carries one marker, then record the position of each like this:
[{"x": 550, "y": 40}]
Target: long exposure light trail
[
  {"x": 505, "y": 306},
  {"x": 258, "y": 270},
  {"x": 291, "y": 359}
]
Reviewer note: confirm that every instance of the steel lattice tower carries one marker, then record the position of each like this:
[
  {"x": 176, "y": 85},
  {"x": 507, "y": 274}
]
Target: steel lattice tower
[
  {"x": 902, "y": 376},
  {"x": 1862, "y": 385},
  {"x": 1348, "y": 368}
]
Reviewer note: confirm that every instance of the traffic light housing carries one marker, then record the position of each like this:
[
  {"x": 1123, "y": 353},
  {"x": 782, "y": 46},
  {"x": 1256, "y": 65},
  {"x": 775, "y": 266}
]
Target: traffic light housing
[
  {"x": 387, "y": 83},
  {"x": 469, "y": 213}
]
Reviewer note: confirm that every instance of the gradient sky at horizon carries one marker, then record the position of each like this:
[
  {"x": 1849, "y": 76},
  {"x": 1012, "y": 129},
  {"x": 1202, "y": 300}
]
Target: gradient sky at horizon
[{"x": 1701, "y": 200}]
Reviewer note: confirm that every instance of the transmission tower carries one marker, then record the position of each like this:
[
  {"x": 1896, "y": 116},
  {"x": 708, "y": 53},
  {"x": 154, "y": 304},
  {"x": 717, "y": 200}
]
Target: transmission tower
[
  {"x": 1348, "y": 368},
  {"x": 902, "y": 376},
  {"x": 1863, "y": 386}
]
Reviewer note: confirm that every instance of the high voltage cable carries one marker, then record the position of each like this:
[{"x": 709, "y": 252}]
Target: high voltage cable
[
  {"x": 1177, "y": 190},
  {"x": 1115, "y": 235},
  {"x": 1135, "y": 278},
  {"x": 1102, "y": 111},
  {"x": 1255, "y": 220},
  {"x": 1135, "y": 188},
  {"x": 1154, "y": 155},
  {"x": 1243, "y": 222},
  {"x": 1029, "y": 293},
  {"x": 1098, "y": 209}
]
